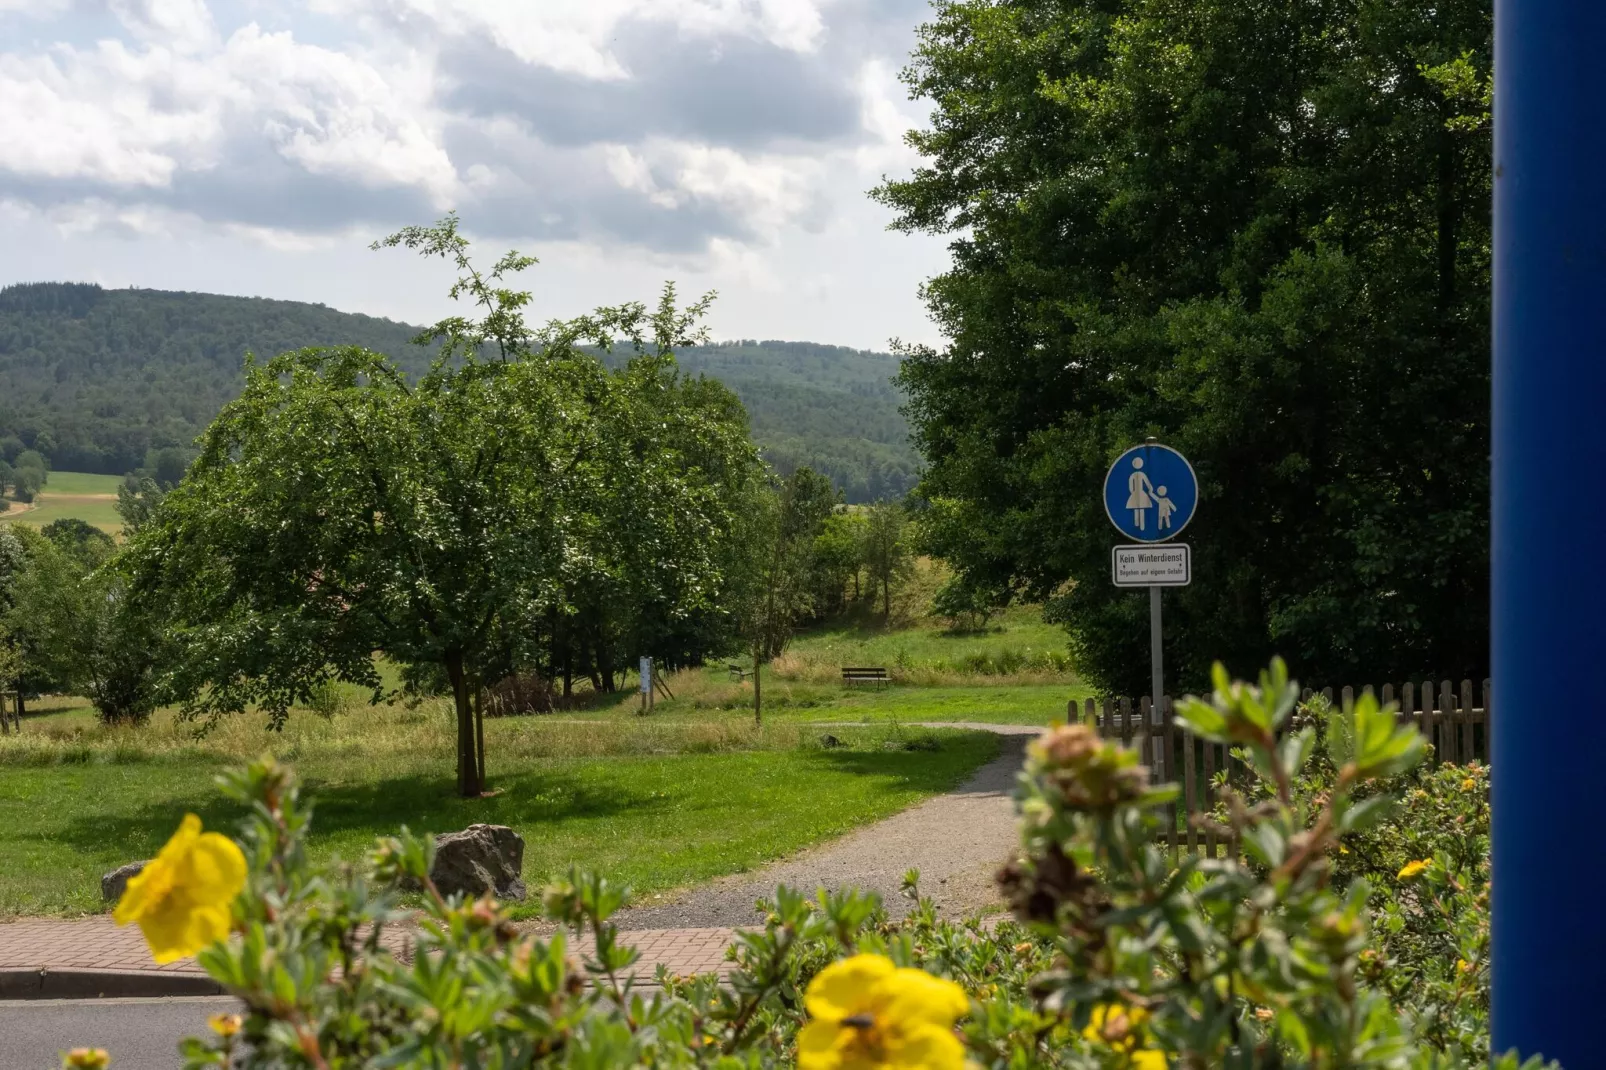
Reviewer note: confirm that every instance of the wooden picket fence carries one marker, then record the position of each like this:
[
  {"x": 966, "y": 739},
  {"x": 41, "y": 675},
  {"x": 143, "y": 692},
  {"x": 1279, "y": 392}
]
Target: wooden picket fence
[{"x": 1454, "y": 720}]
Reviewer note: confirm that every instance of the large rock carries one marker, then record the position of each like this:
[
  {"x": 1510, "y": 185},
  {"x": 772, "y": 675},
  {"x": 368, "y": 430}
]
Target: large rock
[
  {"x": 113, "y": 883},
  {"x": 479, "y": 860}
]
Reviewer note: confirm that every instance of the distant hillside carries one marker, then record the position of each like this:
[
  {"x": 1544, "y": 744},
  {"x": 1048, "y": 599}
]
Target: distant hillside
[{"x": 95, "y": 378}]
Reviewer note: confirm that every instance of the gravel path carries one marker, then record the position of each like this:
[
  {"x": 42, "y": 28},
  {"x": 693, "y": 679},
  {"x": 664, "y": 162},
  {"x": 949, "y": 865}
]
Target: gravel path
[{"x": 957, "y": 841}]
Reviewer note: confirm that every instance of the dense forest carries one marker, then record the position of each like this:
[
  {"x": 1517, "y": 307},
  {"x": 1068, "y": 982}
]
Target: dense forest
[{"x": 94, "y": 379}]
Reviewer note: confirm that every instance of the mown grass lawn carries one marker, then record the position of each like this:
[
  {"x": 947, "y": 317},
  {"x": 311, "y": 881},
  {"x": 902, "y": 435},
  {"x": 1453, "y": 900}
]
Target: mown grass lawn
[
  {"x": 692, "y": 792},
  {"x": 86, "y": 497},
  {"x": 655, "y": 806}
]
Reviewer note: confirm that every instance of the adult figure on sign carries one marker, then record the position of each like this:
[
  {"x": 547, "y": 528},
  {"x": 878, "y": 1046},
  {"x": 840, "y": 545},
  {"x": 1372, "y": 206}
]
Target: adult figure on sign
[
  {"x": 1139, "y": 490},
  {"x": 1151, "y": 493}
]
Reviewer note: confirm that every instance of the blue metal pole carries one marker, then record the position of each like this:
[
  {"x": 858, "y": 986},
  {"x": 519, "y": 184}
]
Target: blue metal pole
[{"x": 1549, "y": 530}]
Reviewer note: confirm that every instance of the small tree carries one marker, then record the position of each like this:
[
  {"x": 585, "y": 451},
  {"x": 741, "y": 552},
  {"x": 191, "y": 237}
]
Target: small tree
[
  {"x": 137, "y": 501},
  {"x": 10, "y": 664},
  {"x": 27, "y": 482},
  {"x": 887, "y": 557},
  {"x": 784, "y": 524},
  {"x": 76, "y": 627},
  {"x": 838, "y": 560},
  {"x": 338, "y": 510}
]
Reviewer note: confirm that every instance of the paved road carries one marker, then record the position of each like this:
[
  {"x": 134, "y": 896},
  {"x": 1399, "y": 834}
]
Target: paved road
[
  {"x": 957, "y": 841},
  {"x": 140, "y": 1034}
]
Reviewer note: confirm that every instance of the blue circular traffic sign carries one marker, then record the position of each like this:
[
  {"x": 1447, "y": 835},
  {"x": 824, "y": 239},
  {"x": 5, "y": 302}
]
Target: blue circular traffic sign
[{"x": 1151, "y": 493}]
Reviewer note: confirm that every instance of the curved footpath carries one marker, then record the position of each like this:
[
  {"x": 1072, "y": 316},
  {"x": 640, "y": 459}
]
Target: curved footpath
[{"x": 957, "y": 841}]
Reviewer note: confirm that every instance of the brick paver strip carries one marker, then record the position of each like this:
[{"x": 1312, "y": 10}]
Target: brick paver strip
[{"x": 97, "y": 943}]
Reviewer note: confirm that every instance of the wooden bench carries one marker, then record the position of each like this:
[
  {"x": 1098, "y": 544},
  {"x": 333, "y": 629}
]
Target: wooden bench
[
  {"x": 739, "y": 674},
  {"x": 864, "y": 675}
]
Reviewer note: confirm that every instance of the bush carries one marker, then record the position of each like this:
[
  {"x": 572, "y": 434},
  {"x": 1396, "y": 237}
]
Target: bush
[
  {"x": 326, "y": 700},
  {"x": 1115, "y": 958}
]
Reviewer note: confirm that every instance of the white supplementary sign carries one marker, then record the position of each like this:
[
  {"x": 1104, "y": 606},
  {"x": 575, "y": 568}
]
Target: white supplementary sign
[
  {"x": 646, "y": 675},
  {"x": 1165, "y": 564}
]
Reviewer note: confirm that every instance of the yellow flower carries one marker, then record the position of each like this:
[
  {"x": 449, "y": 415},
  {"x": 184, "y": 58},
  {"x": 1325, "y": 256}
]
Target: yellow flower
[
  {"x": 181, "y": 899},
  {"x": 1468, "y": 784},
  {"x": 86, "y": 1059},
  {"x": 867, "y": 1013},
  {"x": 1121, "y": 1028},
  {"x": 224, "y": 1025},
  {"x": 1412, "y": 869}
]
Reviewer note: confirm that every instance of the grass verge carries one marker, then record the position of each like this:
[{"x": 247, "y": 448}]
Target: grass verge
[{"x": 656, "y": 805}]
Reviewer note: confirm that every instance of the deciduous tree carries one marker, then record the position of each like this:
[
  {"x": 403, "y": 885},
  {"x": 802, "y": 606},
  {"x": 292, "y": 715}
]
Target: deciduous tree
[
  {"x": 887, "y": 555},
  {"x": 338, "y": 511},
  {"x": 780, "y": 528},
  {"x": 1257, "y": 230}
]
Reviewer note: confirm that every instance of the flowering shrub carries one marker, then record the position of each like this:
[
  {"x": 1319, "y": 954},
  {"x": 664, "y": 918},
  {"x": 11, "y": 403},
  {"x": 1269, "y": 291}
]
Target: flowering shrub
[
  {"x": 1426, "y": 868},
  {"x": 1322, "y": 947}
]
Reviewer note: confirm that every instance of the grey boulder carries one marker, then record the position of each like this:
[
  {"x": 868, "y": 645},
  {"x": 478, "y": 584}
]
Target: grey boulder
[
  {"x": 113, "y": 883},
  {"x": 480, "y": 860}
]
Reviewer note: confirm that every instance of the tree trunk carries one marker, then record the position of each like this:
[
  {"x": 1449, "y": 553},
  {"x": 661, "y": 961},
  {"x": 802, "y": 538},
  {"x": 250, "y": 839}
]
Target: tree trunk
[
  {"x": 469, "y": 783},
  {"x": 886, "y": 595},
  {"x": 758, "y": 689},
  {"x": 479, "y": 730}
]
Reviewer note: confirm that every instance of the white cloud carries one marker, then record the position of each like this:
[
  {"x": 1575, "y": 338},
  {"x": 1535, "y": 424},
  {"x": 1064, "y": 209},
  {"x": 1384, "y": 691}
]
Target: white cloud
[
  {"x": 574, "y": 36},
  {"x": 182, "y": 25},
  {"x": 731, "y": 140},
  {"x": 129, "y": 116}
]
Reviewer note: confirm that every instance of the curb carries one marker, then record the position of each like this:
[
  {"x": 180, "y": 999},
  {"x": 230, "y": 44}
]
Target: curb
[{"x": 47, "y": 983}]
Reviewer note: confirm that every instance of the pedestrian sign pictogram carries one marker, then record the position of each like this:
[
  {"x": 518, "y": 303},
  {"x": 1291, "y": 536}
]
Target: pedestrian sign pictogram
[{"x": 1151, "y": 493}]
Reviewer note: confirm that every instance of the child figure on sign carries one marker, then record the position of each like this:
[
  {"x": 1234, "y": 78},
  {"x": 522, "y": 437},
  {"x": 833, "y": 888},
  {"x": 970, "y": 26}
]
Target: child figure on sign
[{"x": 1165, "y": 506}]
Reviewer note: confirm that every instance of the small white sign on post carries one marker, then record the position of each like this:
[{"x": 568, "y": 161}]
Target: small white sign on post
[
  {"x": 1164, "y": 564},
  {"x": 646, "y": 676}
]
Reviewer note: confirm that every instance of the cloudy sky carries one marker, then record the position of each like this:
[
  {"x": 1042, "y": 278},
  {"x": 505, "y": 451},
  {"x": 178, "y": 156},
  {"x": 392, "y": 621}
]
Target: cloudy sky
[{"x": 258, "y": 146}]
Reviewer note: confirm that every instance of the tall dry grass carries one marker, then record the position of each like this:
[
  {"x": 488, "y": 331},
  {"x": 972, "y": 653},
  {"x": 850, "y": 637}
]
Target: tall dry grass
[{"x": 385, "y": 735}]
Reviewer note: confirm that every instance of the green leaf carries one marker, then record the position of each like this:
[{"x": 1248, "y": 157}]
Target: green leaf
[
  {"x": 1202, "y": 718},
  {"x": 1362, "y": 815}
]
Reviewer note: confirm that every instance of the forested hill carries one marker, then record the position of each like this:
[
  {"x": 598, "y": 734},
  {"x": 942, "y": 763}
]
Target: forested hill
[{"x": 94, "y": 378}]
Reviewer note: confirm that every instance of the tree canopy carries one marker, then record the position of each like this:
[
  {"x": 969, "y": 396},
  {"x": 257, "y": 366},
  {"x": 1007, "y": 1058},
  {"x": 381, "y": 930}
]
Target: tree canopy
[
  {"x": 1258, "y": 231},
  {"x": 518, "y": 500}
]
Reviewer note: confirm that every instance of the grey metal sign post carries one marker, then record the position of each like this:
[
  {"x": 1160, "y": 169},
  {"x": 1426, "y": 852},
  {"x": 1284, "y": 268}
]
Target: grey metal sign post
[{"x": 1150, "y": 494}]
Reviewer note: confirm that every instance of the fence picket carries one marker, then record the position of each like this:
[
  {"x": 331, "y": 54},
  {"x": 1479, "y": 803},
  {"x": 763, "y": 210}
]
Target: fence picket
[
  {"x": 1488, "y": 723},
  {"x": 1347, "y": 698},
  {"x": 1408, "y": 704},
  {"x": 1168, "y": 739},
  {"x": 1468, "y": 744},
  {"x": 1106, "y": 724},
  {"x": 1452, "y": 722},
  {"x": 1205, "y": 800},
  {"x": 1188, "y": 793},
  {"x": 1125, "y": 707}
]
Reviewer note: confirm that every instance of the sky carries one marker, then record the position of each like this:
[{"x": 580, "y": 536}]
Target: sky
[{"x": 258, "y": 147}]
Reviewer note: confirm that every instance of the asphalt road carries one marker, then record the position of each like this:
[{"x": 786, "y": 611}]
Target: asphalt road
[{"x": 140, "y": 1034}]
